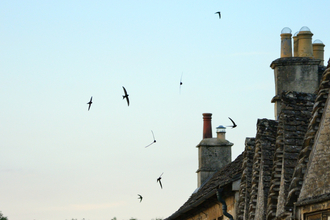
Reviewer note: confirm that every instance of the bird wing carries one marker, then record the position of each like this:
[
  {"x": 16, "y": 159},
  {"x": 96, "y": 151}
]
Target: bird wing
[
  {"x": 90, "y": 103},
  {"x": 153, "y": 135},
  {"x": 125, "y": 91},
  {"x": 161, "y": 174},
  {"x": 180, "y": 83},
  {"x": 150, "y": 144},
  {"x": 160, "y": 183},
  {"x": 127, "y": 100},
  {"x": 232, "y": 121}
]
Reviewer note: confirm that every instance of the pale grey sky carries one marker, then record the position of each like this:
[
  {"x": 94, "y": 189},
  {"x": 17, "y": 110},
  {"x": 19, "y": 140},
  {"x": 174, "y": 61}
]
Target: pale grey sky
[{"x": 59, "y": 161}]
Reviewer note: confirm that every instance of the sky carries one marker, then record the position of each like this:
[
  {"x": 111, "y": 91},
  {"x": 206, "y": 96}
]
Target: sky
[{"x": 59, "y": 161}]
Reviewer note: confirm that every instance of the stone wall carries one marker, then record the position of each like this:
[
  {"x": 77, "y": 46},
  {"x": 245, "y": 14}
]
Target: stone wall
[
  {"x": 315, "y": 208},
  {"x": 213, "y": 154},
  {"x": 300, "y": 74},
  {"x": 214, "y": 212}
]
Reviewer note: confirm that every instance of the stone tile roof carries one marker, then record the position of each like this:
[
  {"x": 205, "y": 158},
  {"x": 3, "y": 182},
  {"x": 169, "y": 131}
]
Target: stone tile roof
[
  {"x": 261, "y": 170},
  {"x": 292, "y": 126},
  {"x": 303, "y": 157},
  {"x": 224, "y": 176},
  {"x": 245, "y": 187},
  {"x": 313, "y": 128}
]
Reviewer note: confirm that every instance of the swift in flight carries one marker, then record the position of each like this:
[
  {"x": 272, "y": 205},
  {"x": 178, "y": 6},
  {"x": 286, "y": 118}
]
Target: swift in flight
[
  {"x": 90, "y": 103},
  {"x": 126, "y": 96}
]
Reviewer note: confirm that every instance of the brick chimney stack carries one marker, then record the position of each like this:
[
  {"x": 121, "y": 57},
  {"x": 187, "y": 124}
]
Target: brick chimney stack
[{"x": 207, "y": 127}]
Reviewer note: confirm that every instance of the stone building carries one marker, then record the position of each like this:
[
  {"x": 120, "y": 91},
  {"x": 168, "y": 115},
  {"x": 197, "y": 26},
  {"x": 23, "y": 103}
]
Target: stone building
[{"x": 284, "y": 171}]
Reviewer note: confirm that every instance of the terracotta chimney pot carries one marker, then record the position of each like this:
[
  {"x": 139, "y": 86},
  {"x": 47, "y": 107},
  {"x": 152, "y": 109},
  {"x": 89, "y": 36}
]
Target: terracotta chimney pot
[{"x": 207, "y": 128}]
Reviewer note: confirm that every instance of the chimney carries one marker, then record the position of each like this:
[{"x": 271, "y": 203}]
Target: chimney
[
  {"x": 221, "y": 132},
  {"x": 207, "y": 128},
  {"x": 305, "y": 48},
  {"x": 295, "y": 44},
  {"x": 318, "y": 51},
  {"x": 286, "y": 45},
  {"x": 213, "y": 153},
  {"x": 299, "y": 73}
]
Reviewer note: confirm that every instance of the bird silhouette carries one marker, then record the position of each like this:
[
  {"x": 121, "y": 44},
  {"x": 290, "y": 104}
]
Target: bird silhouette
[
  {"x": 218, "y": 12},
  {"x": 140, "y": 197},
  {"x": 158, "y": 180},
  {"x": 234, "y": 125},
  {"x": 181, "y": 82},
  {"x": 126, "y": 96},
  {"x": 90, "y": 103},
  {"x": 154, "y": 139}
]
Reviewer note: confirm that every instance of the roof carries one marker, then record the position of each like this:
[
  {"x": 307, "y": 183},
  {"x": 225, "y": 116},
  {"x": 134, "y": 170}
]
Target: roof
[
  {"x": 308, "y": 143},
  {"x": 228, "y": 174}
]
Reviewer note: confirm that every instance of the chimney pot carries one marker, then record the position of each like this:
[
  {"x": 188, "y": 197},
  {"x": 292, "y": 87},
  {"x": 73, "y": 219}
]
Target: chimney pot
[
  {"x": 305, "y": 48},
  {"x": 318, "y": 51},
  {"x": 207, "y": 128},
  {"x": 221, "y": 132},
  {"x": 295, "y": 44},
  {"x": 286, "y": 44}
]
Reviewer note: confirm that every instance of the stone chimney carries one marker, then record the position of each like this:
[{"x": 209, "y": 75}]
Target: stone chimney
[
  {"x": 286, "y": 43},
  {"x": 318, "y": 51},
  {"x": 213, "y": 153},
  {"x": 295, "y": 44},
  {"x": 299, "y": 73},
  {"x": 305, "y": 48}
]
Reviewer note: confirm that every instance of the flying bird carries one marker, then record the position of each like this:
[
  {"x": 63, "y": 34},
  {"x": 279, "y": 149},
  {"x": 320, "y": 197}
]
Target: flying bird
[
  {"x": 90, "y": 103},
  {"x": 158, "y": 180},
  {"x": 154, "y": 139},
  {"x": 140, "y": 197},
  {"x": 234, "y": 125},
  {"x": 181, "y": 82},
  {"x": 218, "y": 12},
  {"x": 126, "y": 96}
]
